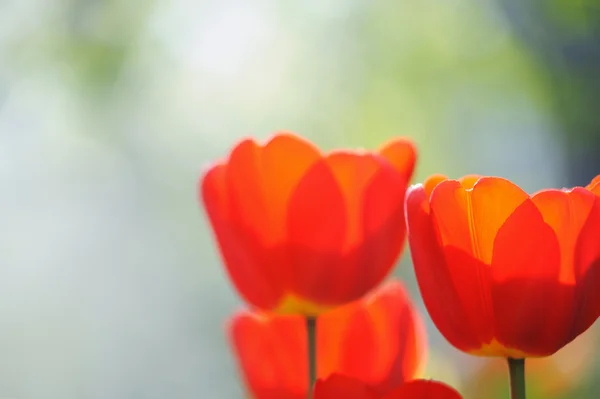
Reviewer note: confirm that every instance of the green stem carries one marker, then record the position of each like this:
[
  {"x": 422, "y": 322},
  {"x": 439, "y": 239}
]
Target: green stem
[
  {"x": 516, "y": 370},
  {"x": 311, "y": 332}
]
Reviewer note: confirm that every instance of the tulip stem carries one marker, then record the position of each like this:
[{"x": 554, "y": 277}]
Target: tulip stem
[
  {"x": 516, "y": 370},
  {"x": 311, "y": 332}
]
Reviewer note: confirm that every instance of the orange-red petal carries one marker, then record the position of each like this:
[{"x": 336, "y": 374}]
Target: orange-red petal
[
  {"x": 383, "y": 227},
  {"x": 493, "y": 200},
  {"x": 443, "y": 296},
  {"x": 317, "y": 222},
  {"x": 587, "y": 246},
  {"x": 431, "y": 182},
  {"x": 469, "y": 181},
  {"x": 594, "y": 185},
  {"x": 587, "y": 272},
  {"x": 261, "y": 180},
  {"x": 423, "y": 389},
  {"x": 353, "y": 174},
  {"x": 566, "y": 212},
  {"x": 339, "y": 386},
  {"x": 525, "y": 270},
  {"x": 522, "y": 269},
  {"x": 244, "y": 188},
  {"x": 379, "y": 340},
  {"x": 268, "y": 370},
  {"x": 247, "y": 212},
  {"x": 402, "y": 154},
  {"x": 307, "y": 232},
  {"x": 243, "y": 256},
  {"x": 284, "y": 160},
  {"x": 346, "y": 227},
  {"x": 468, "y": 219}
]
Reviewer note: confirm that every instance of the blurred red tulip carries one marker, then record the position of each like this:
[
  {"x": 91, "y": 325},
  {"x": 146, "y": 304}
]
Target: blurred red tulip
[
  {"x": 503, "y": 273},
  {"x": 302, "y": 232},
  {"x": 339, "y": 386},
  {"x": 379, "y": 340}
]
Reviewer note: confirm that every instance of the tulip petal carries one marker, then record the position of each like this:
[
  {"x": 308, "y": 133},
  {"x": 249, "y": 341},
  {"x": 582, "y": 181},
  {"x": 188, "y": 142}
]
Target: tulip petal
[
  {"x": 469, "y": 219},
  {"x": 317, "y": 225},
  {"x": 594, "y": 186},
  {"x": 423, "y": 389},
  {"x": 441, "y": 288},
  {"x": 339, "y": 386},
  {"x": 431, "y": 182},
  {"x": 248, "y": 207},
  {"x": 396, "y": 306},
  {"x": 359, "y": 178},
  {"x": 262, "y": 179},
  {"x": 270, "y": 369},
  {"x": 402, "y": 336},
  {"x": 380, "y": 340},
  {"x": 525, "y": 270},
  {"x": 284, "y": 160},
  {"x": 402, "y": 154},
  {"x": 587, "y": 271},
  {"x": 384, "y": 226},
  {"x": 242, "y": 255},
  {"x": 305, "y": 231},
  {"x": 353, "y": 173},
  {"x": 241, "y": 199},
  {"x": 566, "y": 212},
  {"x": 243, "y": 177},
  {"x": 468, "y": 181}
]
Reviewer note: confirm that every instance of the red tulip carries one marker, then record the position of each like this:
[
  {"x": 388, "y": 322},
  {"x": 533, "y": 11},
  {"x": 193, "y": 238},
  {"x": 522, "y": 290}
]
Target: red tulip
[
  {"x": 301, "y": 231},
  {"x": 342, "y": 387},
  {"x": 379, "y": 340},
  {"x": 501, "y": 272}
]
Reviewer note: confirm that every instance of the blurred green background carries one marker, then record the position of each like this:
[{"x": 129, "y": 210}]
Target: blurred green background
[{"x": 111, "y": 286}]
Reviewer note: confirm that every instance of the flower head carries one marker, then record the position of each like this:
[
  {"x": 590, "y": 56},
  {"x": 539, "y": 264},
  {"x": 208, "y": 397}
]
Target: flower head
[
  {"x": 301, "y": 231},
  {"x": 379, "y": 340},
  {"x": 505, "y": 273}
]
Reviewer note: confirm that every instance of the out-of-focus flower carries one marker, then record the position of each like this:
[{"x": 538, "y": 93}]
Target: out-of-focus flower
[
  {"x": 379, "y": 340},
  {"x": 302, "y": 232},
  {"x": 503, "y": 273},
  {"x": 339, "y": 386}
]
